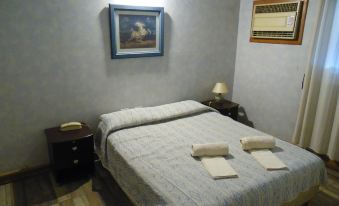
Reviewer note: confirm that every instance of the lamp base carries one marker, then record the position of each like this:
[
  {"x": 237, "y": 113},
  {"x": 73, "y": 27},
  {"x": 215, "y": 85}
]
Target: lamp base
[{"x": 219, "y": 98}]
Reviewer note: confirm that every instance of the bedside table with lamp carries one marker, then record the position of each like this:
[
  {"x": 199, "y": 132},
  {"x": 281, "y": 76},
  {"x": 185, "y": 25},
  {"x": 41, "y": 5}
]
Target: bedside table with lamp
[{"x": 225, "y": 107}]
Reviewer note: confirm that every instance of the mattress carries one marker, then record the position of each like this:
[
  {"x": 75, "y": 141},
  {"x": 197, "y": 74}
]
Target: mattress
[{"x": 147, "y": 151}]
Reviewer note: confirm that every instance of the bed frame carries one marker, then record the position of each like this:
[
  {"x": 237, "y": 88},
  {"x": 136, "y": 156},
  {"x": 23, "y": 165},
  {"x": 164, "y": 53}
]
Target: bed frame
[{"x": 110, "y": 191}]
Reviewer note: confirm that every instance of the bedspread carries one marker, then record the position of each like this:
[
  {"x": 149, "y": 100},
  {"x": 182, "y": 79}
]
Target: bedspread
[{"x": 150, "y": 159}]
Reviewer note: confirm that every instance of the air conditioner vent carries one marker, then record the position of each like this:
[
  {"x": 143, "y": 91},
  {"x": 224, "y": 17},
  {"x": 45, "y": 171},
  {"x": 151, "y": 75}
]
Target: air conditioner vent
[
  {"x": 274, "y": 34},
  {"x": 276, "y": 20},
  {"x": 275, "y": 8}
]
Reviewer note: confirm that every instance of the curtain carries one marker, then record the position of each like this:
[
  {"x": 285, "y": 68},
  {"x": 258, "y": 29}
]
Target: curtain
[{"x": 317, "y": 125}]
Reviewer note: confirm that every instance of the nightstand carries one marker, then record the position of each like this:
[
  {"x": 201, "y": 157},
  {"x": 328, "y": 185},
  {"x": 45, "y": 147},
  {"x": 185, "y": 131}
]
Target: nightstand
[
  {"x": 225, "y": 107},
  {"x": 71, "y": 153}
]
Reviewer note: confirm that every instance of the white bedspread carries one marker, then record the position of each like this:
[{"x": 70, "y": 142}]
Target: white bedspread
[{"x": 150, "y": 159}]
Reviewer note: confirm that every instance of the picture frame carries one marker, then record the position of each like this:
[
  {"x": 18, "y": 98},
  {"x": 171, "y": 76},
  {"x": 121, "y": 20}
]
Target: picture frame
[{"x": 136, "y": 31}]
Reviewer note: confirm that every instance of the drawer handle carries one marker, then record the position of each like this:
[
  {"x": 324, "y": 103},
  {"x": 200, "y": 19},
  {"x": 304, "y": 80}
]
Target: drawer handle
[
  {"x": 229, "y": 113},
  {"x": 75, "y": 162},
  {"x": 74, "y": 148}
]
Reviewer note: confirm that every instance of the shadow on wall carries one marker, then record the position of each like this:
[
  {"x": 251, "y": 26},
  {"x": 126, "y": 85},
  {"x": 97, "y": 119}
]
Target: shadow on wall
[
  {"x": 121, "y": 65},
  {"x": 243, "y": 118}
]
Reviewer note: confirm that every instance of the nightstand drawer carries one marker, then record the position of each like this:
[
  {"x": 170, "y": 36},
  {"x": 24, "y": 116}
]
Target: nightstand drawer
[
  {"x": 73, "y": 153},
  {"x": 80, "y": 146},
  {"x": 74, "y": 161},
  {"x": 233, "y": 113},
  {"x": 225, "y": 107}
]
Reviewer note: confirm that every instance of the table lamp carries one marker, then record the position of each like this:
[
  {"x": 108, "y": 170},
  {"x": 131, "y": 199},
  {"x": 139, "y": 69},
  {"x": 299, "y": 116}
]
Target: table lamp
[{"x": 220, "y": 89}]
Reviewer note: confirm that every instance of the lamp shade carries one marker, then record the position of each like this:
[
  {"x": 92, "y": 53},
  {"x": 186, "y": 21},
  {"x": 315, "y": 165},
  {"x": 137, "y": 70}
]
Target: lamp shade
[{"x": 220, "y": 88}]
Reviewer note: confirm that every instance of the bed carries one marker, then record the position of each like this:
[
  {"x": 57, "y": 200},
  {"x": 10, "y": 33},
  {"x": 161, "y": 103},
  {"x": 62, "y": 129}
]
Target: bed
[{"x": 147, "y": 152}]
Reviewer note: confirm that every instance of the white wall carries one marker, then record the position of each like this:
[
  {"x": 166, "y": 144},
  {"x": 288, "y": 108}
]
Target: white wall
[
  {"x": 55, "y": 66},
  {"x": 268, "y": 77}
]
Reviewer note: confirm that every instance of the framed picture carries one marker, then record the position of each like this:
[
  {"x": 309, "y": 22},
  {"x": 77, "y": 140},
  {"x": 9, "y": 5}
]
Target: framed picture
[{"x": 136, "y": 31}]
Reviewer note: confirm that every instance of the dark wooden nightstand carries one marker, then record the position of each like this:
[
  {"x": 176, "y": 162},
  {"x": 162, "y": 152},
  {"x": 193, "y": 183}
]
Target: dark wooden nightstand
[
  {"x": 71, "y": 153},
  {"x": 225, "y": 107}
]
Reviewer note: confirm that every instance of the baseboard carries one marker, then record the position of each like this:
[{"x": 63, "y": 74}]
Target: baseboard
[
  {"x": 23, "y": 173},
  {"x": 333, "y": 165}
]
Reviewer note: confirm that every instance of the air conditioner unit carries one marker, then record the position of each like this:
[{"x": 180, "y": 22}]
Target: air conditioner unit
[{"x": 276, "y": 20}]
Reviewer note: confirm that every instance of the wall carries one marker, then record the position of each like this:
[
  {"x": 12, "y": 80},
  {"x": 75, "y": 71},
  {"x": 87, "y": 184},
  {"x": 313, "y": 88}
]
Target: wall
[
  {"x": 56, "y": 67},
  {"x": 268, "y": 77}
]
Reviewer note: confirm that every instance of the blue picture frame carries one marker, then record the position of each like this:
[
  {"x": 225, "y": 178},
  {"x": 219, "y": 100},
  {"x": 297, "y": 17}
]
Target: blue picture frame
[{"x": 136, "y": 31}]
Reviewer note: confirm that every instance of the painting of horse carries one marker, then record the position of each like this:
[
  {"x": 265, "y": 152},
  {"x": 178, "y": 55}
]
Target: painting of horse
[{"x": 137, "y": 31}]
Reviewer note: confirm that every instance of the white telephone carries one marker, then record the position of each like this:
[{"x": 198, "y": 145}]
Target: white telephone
[{"x": 70, "y": 126}]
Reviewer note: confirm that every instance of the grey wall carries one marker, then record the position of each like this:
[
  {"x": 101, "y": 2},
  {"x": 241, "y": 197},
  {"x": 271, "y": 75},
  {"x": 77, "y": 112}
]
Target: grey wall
[
  {"x": 268, "y": 77},
  {"x": 56, "y": 67}
]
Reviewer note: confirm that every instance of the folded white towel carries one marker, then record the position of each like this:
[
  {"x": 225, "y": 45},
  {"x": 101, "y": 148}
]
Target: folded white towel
[
  {"x": 213, "y": 149},
  {"x": 218, "y": 167},
  {"x": 267, "y": 159},
  {"x": 257, "y": 142}
]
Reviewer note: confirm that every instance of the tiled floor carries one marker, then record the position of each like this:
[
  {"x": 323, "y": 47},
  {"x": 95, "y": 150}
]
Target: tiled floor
[
  {"x": 329, "y": 193},
  {"x": 42, "y": 190}
]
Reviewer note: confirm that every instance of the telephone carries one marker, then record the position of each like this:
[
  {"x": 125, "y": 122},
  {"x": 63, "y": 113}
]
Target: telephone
[{"x": 70, "y": 126}]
